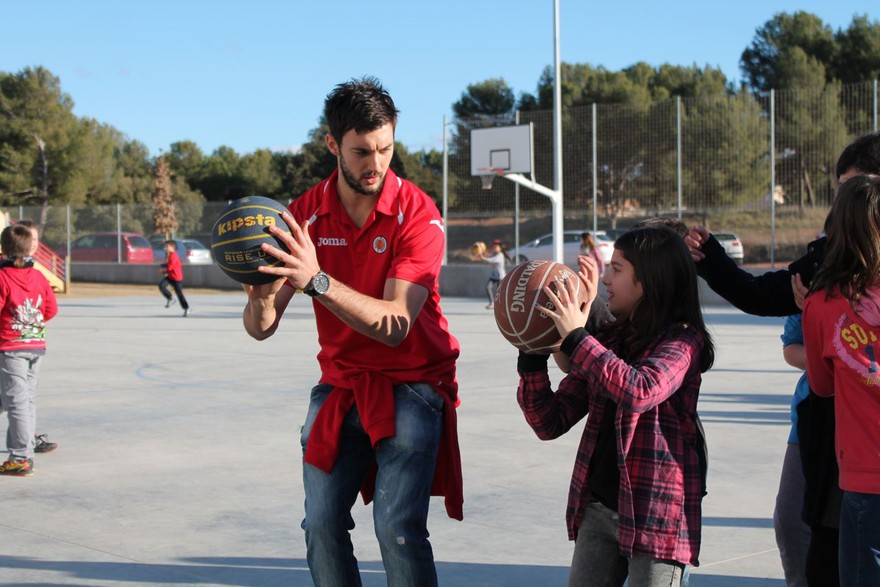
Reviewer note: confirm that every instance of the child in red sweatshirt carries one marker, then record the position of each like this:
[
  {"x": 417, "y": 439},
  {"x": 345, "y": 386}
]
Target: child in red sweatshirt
[
  {"x": 842, "y": 338},
  {"x": 173, "y": 270},
  {"x": 27, "y": 302}
]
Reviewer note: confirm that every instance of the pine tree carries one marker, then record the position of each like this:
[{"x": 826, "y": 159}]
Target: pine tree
[{"x": 164, "y": 221}]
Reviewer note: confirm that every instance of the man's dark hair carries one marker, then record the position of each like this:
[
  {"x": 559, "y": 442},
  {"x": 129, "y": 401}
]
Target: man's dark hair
[
  {"x": 862, "y": 154},
  {"x": 360, "y": 104}
]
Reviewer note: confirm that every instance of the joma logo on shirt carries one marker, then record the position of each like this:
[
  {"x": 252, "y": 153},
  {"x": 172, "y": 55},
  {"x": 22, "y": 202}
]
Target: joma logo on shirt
[
  {"x": 243, "y": 222},
  {"x": 331, "y": 241}
]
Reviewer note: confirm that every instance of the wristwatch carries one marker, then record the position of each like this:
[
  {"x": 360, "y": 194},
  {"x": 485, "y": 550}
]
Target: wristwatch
[{"x": 318, "y": 285}]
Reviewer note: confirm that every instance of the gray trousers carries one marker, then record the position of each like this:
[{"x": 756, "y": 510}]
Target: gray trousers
[
  {"x": 18, "y": 387},
  {"x": 792, "y": 533},
  {"x": 597, "y": 561}
]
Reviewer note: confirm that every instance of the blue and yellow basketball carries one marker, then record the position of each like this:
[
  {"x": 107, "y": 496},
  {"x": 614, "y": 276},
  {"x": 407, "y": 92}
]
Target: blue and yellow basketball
[{"x": 238, "y": 233}]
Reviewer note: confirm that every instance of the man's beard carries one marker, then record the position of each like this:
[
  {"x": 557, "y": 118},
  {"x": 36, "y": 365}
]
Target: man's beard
[{"x": 353, "y": 182}]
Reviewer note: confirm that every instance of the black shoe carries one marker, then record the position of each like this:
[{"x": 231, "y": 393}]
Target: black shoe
[
  {"x": 43, "y": 445},
  {"x": 169, "y": 303}
]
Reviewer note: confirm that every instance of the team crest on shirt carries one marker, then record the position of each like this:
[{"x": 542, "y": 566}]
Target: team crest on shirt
[{"x": 380, "y": 244}]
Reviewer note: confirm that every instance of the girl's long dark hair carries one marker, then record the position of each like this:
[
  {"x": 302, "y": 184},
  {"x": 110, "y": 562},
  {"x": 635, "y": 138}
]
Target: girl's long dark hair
[
  {"x": 663, "y": 265},
  {"x": 852, "y": 257}
]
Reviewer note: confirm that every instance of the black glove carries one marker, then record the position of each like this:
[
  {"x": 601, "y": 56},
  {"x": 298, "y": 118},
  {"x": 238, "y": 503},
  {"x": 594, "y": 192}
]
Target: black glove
[{"x": 531, "y": 363}]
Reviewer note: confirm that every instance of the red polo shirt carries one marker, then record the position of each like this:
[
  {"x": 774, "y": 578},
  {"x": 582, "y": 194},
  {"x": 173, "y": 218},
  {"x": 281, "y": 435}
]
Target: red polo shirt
[{"x": 402, "y": 238}]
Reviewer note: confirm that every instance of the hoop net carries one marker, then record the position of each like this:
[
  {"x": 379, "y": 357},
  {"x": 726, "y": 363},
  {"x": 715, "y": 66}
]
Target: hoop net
[{"x": 487, "y": 175}]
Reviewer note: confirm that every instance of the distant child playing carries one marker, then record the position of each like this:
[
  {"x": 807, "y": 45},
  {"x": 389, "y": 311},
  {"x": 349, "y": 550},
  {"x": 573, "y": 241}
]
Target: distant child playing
[
  {"x": 27, "y": 302},
  {"x": 634, "y": 505},
  {"x": 497, "y": 257},
  {"x": 588, "y": 248},
  {"x": 173, "y": 270},
  {"x": 841, "y": 324}
]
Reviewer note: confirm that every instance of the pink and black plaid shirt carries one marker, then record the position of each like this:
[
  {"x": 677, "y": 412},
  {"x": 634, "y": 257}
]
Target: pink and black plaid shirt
[{"x": 660, "y": 485}]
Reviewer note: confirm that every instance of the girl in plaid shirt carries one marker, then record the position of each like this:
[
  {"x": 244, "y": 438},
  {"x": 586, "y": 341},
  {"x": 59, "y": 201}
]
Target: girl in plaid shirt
[{"x": 634, "y": 501}]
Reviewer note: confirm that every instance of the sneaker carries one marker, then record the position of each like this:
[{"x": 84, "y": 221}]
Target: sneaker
[
  {"x": 186, "y": 313},
  {"x": 490, "y": 306},
  {"x": 43, "y": 445},
  {"x": 24, "y": 468},
  {"x": 169, "y": 303}
]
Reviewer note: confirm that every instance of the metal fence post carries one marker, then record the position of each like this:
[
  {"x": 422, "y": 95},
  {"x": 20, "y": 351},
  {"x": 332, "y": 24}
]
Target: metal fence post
[
  {"x": 875, "y": 105},
  {"x": 445, "y": 195},
  {"x": 68, "y": 233},
  {"x": 595, "y": 171},
  {"x": 516, "y": 203},
  {"x": 772, "y": 178},
  {"x": 118, "y": 232},
  {"x": 678, "y": 150}
]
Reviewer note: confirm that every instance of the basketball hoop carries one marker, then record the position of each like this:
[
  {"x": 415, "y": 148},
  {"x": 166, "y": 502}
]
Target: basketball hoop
[{"x": 487, "y": 174}]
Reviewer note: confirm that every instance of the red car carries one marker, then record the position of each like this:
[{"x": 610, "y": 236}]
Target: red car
[{"x": 106, "y": 246}]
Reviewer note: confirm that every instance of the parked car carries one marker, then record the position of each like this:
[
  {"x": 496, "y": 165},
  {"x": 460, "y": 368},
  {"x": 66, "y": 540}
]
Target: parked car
[
  {"x": 732, "y": 245},
  {"x": 106, "y": 246},
  {"x": 542, "y": 247},
  {"x": 188, "y": 249},
  {"x": 614, "y": 233}
]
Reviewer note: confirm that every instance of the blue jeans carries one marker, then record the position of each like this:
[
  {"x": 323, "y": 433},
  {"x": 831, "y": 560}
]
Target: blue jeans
[
  {"x": 860, "y": 540},
  {"x": 406, "y": 464}
]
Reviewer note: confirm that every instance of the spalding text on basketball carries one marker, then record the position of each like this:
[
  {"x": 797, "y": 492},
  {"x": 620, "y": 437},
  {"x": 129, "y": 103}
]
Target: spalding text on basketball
[
  {"x": 518, "y": 304},
  {"x": 245, "y": 222}
]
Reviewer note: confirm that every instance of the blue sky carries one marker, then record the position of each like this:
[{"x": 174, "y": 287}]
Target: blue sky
[{"x": 254, "y": 74}]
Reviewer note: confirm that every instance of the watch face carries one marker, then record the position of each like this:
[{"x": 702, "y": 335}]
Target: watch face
[{"x": 321, "y": 283}]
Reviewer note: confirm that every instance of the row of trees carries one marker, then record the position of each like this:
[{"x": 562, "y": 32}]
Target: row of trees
[
  {"x": 46, "y": 151},
  {"x": 819, "y": 105},
  {"x": 786, "y": 52},
  {"x": 49, "y": 155}
]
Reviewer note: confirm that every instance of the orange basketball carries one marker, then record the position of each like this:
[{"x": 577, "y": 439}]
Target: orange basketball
[{"x": 520, "y": 300}]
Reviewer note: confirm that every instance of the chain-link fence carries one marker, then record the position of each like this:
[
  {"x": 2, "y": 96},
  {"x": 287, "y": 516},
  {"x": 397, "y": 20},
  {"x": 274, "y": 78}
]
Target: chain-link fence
[
  {"x": 706, "y": 160},
  {"x": 62, "y": 225}
]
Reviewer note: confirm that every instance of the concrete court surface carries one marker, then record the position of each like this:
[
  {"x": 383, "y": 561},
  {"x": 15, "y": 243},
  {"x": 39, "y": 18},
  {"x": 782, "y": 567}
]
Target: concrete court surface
[{"x": 180, "y": 461}]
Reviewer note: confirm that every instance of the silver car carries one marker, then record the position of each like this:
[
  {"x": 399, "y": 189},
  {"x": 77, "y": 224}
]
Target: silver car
[
  {"x": 542, "y": 247},
  {"x": 732, "y": 245}
]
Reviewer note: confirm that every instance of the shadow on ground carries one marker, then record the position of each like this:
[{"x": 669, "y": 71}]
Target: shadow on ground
[{"x": 265, "y": 572}]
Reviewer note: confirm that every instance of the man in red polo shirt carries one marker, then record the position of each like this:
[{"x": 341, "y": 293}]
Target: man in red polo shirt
[{"x": 367, "y": 246}]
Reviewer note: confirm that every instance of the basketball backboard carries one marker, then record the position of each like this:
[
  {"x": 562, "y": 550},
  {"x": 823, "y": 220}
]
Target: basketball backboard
[{"x": 501, "y": 149}]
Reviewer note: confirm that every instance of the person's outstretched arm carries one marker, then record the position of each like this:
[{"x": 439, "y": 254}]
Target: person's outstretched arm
[{"x": 768, "y": 294}]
